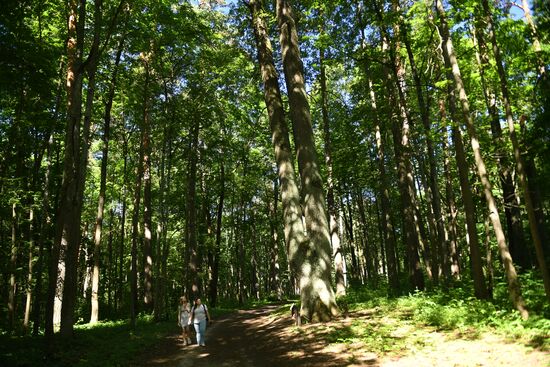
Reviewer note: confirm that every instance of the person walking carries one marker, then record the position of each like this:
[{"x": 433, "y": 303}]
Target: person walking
[
  {"x": 184, "y": 314},
  {"x": 199, "y": 318}
]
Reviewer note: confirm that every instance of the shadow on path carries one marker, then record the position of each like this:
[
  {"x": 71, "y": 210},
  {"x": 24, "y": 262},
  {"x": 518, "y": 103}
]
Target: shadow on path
[{"x": 247, "y": 338}]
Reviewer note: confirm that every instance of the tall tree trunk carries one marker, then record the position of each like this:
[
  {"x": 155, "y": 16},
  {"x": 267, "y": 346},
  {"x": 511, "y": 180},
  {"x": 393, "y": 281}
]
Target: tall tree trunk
[
  {"x": 510, "y": 270},
  {"x": 517, "y": 244},
  {"x": 432, "y": 188},
  {"x": 119, "y": 288},
  {"x": 385, "y": 204},
  {"x": 331, "y": 204},
  {"x": 317, "y": 296},
  {"x": 66, "y": 243},
  {"x": 452, "y": 232},
  {"x": 480, "y": 288},
  {"x": 135, "y": 239},
  {"x": 147, "y": 208},
  {"x": 29, "y": 274},
  {"x": 193, "y": 282},
  {"x": 295, "y": 239},
  {"x": 13, "y": 265},
  {"x": 400, "y": 131},
  {"x": 520, "y": 165},
  {"x": 217, "y": 247},
  {"x": 103, "y": 186}
]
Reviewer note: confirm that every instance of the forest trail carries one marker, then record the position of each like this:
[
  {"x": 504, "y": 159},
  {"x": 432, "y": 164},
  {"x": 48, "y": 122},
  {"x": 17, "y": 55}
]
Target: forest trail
[{"x": 253, "y": 338}]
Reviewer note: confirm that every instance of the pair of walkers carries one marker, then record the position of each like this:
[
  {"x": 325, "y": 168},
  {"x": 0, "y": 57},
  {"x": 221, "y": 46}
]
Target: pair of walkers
[{"x": 197, "y": 316}]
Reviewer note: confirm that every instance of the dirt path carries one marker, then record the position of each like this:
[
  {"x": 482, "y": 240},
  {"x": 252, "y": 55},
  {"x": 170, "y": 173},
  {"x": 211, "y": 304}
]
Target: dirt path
[{"x": 256, "y": 338}]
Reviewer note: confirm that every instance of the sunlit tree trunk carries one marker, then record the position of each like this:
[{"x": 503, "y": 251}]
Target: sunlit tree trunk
[
  {"x": 518, "y": 247},
  {"x": 520, "y": 165},
  {"x": 290, "y": 196},
  {"x": 317, "y": 297},
  {"x": 511, "y": 274}
]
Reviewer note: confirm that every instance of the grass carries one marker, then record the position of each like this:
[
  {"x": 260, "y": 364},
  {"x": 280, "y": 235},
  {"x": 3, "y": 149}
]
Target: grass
[
  {"x": 395, "y": 324},
  {"x": 103, "y": 344}
]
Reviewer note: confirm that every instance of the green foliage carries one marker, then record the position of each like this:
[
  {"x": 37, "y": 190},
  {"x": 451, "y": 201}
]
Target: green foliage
[{"x": 447, "y": 311}]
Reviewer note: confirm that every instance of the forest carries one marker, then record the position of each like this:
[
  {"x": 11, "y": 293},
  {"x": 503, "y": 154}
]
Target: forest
[{"x": 246, "y": 151}]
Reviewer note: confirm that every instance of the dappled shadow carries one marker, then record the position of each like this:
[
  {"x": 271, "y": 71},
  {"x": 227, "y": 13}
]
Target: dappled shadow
[{"x": 254, "y": 338}]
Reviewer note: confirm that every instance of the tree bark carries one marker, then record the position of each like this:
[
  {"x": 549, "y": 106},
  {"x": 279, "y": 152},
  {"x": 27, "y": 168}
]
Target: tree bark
[
  {"x": 520, "y": 165},
  {"x": 295, "y": 239},
  {"x": 331, "y": 204},
  {"x": 147, "y": 207},
  {"x": 317, "y": 296},
  {"x": 518, "y": 247},
  {"x": 511, "y": 274},
  {"x": 103, "y": 186}
]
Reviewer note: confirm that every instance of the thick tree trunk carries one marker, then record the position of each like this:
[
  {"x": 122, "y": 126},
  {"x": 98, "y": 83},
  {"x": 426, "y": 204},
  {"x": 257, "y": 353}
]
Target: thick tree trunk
[
  {"x": 520, "y": 165},
  {"x": 317, "y": 296},
  {"x": 450, "y": 57},
  {"x": 295, "y": 239}
]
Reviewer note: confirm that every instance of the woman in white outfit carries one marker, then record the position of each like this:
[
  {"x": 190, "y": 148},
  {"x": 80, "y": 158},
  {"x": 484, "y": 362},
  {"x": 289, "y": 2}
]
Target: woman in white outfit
[
  {"x": 199, "y": 318},
  {"x": 184, "y": 314}
]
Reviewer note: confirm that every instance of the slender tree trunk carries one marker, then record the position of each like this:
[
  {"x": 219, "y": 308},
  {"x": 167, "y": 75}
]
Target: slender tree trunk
[
  {"x": 520, "y": 165},
  {"x": 135, "y": 239},
  {"x": 400, "y": 131},
  {"x": 385, "y": 204},
  {"x": 331, "y": 204},
  {"x": 118, "y": 298},
  {"x": 102, "y": 188},
  {"x": 518, "y": 248},
  {"x": 511, "y": 274},
  {"x": 452, "y": 232},
  {"x": 13, "y": 266},
  {"x": 193, "y": 283},
  {"x": 437, "y": 218},
  {"x": 147, "y": 208},
  {"x": 29, "y": 275},
  {"x": 217, "y": 249}
]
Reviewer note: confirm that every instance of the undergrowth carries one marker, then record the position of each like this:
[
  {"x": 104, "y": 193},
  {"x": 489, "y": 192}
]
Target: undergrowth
[{"x": 448, "y": 310}]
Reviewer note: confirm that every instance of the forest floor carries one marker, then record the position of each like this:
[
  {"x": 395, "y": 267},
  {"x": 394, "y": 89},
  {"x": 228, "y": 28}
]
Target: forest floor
[{"x": 265, "y": 337}]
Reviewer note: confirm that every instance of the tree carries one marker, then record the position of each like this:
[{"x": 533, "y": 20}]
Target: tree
[{"x": 317, "y": 296}]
